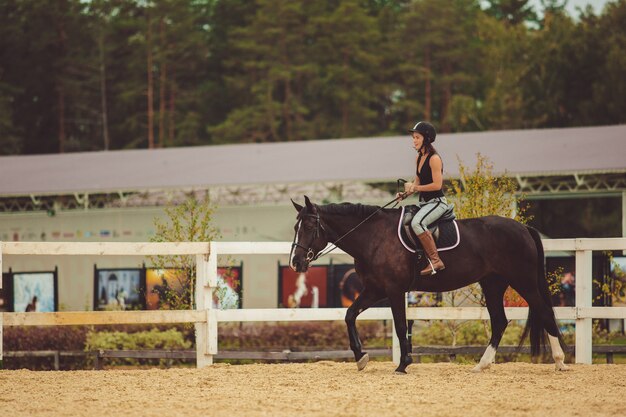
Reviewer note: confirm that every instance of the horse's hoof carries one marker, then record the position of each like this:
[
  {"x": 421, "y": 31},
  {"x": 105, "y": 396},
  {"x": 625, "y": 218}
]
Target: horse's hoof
[
  {"x": 479, "y": 368},
  {"x": 361, "y": 363},
  {"x": 400, "y": 372},
  {"x": 561, "y": 367}
]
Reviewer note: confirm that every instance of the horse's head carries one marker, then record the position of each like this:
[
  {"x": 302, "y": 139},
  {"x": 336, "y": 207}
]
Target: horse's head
[{"x": 309, "y": 238}]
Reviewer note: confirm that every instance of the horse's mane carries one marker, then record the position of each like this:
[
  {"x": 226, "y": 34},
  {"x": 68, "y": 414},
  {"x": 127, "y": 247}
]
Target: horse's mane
[{"x": 348, "y": 209}]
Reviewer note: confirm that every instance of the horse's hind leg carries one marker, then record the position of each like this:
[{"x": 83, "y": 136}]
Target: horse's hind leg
[
  {"x": 541, "y": 317},
  {"x": 493, "y": 289},
  {"x": 364, "y": 301}
]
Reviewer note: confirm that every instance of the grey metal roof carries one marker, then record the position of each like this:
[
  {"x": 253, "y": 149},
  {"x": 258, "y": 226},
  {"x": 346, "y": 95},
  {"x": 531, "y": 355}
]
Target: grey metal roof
[{"x": 519, "y": 152}]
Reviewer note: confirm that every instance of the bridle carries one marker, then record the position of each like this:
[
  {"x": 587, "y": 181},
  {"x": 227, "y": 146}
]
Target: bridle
[{"x": 310, "y": 253}]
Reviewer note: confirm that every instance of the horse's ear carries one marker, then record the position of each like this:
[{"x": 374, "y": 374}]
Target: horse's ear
[
  {"x": 297, "y": 206},
  {"x": 309, "y": 205}
]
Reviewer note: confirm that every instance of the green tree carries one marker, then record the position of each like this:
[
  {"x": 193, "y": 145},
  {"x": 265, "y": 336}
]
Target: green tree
[
  {"x": 271, "y": 66},
  {"x": 512, "y": 12},
  {"x": 36, "y": 47},
  {"x": 545, "y": 83},
  {"x": 439, "y": 41},
  {"x": 345, "y": 54},
  {"x": 190, "y": 221},
  {"x": 221, "y": 93},
  {"x": 606, "y": 46},
  {"x": 479, "y": 192},
  {"x": 10, "y": 142},
  {"x": 502, "y": 67}
]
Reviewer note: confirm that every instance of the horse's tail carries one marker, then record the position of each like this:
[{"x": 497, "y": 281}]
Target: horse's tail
[{"x": 537, "y": 316}]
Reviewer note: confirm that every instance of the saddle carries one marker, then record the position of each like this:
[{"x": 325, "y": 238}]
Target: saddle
[{"x": 445, "y": 230}]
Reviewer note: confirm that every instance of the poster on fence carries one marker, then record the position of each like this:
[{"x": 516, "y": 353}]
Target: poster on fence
[
  {"x": 228, "y": 293},
  {"x": 618, "y": 296},
  {"x": 561, "y": 272},
  {"x": 346, "y": 285},
  {"x": 35, "y": 292},
  {"x": 513, "y": 299},
  {"x": 5, "y": 293},
  {"x": 175, "y": 282},
  {"x": 303, "y": 289},
  {"x": 119, "y": 289},
  {"x": 618, "y": 273},
  {"x": 160, "y": 282},
  {"x": 423, "y": 299}
]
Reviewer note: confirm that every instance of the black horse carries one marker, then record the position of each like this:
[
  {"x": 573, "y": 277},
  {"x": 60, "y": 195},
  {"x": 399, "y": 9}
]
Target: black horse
[{"x": 496, "y": 252}]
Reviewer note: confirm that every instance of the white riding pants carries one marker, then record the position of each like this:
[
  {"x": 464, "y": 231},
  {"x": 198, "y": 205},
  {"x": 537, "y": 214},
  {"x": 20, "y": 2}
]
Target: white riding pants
[{"x": 428, "y": 213}]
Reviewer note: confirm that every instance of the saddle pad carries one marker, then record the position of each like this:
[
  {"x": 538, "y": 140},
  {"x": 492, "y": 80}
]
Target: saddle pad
[{"x": 446, "y": 237}]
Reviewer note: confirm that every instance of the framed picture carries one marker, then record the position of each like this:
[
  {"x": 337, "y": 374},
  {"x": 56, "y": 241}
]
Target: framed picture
[
  {"x": 229, "y": 288},
  {"x": 618, "y": 274},
  {"x": 6, "y": 303},
  {"x": 423, "y": 299},
  {"x": 302, "y": 290},
  {"x": 226, "y": 296},
  {"x": 564, "y": 270},
  {"x": 618, "y": 267},
  {"x": 34, "y": 291},
  {"x": 513, "y": 299},
  {"x": 158, "y": 281},
  {"x": 345, "y": 285},
  {"x": 119, "y": 289}
]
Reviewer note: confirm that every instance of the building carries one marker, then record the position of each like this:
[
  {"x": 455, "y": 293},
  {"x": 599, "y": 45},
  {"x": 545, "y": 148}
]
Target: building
[{"x": 575, "y": 178}]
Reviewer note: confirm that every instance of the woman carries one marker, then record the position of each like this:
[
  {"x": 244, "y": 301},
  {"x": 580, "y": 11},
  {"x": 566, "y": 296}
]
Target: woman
[{"x": 429, "y": 184}]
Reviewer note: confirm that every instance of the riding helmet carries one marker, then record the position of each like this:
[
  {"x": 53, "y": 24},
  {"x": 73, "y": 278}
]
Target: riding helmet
[{"x": 425, "y": 129}]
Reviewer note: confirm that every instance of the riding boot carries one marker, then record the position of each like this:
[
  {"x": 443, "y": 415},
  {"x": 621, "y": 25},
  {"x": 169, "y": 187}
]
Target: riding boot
[{"x": 428, "y": 243}]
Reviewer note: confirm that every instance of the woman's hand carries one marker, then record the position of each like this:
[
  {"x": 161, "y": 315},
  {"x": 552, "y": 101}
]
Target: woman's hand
[
  {"x": 401, "y": 196},
  {"x": 410, "y": 188}
]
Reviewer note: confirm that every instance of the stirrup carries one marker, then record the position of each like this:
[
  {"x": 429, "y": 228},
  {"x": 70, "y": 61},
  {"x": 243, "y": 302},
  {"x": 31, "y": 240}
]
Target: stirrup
[{"x": 433, "y": 271}]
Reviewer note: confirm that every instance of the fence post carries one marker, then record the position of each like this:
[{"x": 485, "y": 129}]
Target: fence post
[
  {"x": 1, "y": 314},
  {"x": 584, "y": 326},
  {"x": 206, "y": 332}
]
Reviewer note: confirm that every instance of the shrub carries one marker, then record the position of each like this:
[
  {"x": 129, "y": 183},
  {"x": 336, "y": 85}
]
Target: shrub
[
  {"x": 299, "y": 336},
  {"x": 156, "y": 339},
  {"x": 62, "y": 338}
]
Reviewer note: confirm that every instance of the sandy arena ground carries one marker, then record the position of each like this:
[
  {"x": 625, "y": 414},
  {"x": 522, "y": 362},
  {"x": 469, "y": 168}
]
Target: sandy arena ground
[{"x": 319, "y": 389}]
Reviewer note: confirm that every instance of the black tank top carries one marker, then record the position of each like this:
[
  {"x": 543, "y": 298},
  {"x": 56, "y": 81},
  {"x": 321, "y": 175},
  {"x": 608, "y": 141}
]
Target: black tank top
[{"x": 426, "y": 177}]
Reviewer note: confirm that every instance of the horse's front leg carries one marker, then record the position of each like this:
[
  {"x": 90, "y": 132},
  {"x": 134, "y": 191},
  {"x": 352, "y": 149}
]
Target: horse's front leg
[
  {"x": 365, "y": 300},
  {"x": 399, "y": 320}
]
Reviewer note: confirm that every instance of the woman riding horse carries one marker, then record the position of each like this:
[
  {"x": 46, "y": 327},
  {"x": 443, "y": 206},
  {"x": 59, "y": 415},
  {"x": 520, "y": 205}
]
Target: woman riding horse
[
  {"x": 429, "y": 183},
  {"x": 496, "y": 252}
]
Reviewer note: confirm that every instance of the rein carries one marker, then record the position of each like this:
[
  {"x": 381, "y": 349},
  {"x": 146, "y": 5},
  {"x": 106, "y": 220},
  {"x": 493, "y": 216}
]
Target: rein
[
  {"x": 334, "y": 244},
  {"x": 310, "y": 253}
]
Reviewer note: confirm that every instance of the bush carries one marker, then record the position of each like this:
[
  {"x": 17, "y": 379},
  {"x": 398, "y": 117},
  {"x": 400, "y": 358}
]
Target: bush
[
  {"x": 155, "y": 339},
  {"x": 45, "y": 338},
  {"x": 67, "y": 338},
  {"x": 62, "y": 338},
  {"x": 299, "y": 336}
]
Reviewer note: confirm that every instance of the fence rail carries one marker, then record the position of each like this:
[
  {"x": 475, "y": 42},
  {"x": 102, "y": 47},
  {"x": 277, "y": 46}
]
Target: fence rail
[
  {"x": 99, "y": 356},
  {"x": 206, "y": 318}
]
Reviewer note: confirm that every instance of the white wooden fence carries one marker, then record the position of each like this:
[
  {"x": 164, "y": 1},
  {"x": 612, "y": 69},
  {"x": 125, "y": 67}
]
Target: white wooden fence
[{"x": 206, "y": 317}]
